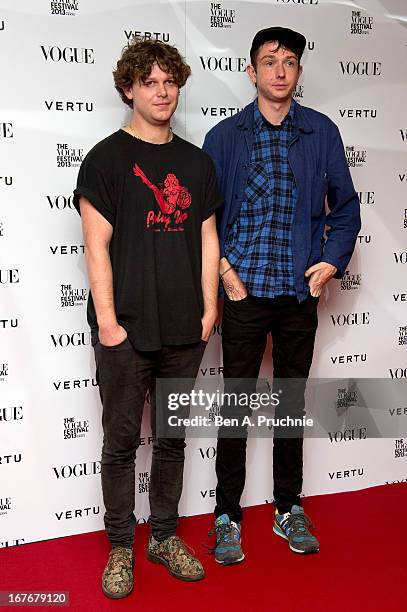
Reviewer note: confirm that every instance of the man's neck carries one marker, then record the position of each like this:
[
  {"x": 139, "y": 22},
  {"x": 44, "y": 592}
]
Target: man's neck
[
  {"x": 274, "y": 112},
  {"x": 156, "y": 134}
]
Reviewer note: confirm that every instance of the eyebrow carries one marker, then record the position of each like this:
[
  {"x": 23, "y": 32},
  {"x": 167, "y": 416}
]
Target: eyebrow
[{"x": 271, "y": 55}]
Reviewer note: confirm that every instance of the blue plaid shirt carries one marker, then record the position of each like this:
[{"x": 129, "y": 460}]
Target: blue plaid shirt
[{"x": 259, "y": 244}]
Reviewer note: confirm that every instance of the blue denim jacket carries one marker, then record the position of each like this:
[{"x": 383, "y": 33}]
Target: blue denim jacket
[{"x": 317, "y": 159}]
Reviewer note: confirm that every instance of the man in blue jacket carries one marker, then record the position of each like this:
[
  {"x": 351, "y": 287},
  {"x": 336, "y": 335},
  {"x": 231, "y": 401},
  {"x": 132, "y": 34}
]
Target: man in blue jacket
[{"x": 277, "y": 163}]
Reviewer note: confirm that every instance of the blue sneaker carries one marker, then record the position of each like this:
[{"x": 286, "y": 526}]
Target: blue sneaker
[
  {"x": 228, "y": 547},
  {"x": 293, "y": 526}
]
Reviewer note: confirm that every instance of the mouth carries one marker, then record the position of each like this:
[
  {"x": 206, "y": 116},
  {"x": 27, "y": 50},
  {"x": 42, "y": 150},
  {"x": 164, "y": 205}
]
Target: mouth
[{"x": 280, "y": 85}]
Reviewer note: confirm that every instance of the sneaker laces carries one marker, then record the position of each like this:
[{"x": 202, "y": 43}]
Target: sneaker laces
[
  {"x": 224, "y": 532},
  {"x": 298, "y": 522}
]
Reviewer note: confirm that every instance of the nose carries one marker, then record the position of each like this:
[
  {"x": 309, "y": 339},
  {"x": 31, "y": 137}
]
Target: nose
[
  {"x": 162, "y": 91},
  {"x": 280, "y": 71}
]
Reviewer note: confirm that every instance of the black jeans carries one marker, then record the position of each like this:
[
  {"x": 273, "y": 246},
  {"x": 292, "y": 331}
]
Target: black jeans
[
  {"x": 246, "y": 324},
  {"x": 124, "y": 376}
]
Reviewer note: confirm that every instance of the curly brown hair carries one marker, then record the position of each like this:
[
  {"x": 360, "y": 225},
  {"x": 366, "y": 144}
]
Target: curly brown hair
[{"x": 138, "y": 58}]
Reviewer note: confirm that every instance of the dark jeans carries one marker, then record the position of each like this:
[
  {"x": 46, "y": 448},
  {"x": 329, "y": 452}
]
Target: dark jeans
[
  {"x": 246, "y": 324},
  {"x": 124, "y": 376}
]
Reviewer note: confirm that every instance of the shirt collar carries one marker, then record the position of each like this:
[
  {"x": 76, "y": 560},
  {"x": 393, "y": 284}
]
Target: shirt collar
[{"x": 260, "y": 122}]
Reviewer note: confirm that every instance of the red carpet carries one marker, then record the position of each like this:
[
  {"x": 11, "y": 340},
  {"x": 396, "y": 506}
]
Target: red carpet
[{"x": 362, "y": 564}]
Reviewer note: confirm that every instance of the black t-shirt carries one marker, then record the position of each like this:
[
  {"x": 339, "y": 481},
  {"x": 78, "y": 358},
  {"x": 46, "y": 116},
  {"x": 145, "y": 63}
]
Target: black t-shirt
[{"x": 156, "y": 198}]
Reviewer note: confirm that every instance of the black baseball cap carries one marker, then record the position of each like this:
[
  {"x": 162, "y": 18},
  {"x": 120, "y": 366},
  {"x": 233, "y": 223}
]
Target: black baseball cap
[{"x": 287, "y": 38}]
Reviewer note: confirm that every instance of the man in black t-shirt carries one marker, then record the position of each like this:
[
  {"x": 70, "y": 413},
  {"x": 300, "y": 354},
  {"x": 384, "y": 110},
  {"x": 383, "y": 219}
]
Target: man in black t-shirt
[{"x": 147, "y": 201}]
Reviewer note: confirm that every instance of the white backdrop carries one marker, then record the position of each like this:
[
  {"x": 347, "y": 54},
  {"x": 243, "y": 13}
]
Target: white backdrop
[{"x": 57, "y": 101}]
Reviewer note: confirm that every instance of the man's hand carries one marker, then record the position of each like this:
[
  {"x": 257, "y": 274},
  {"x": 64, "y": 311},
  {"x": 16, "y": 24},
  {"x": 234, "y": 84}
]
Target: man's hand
[
  {"x": 318, "y": 275},
  {"x": 112, "y": 335},
  {"x": 208, "y": 321},
  {"x": 233, "y": 285}
]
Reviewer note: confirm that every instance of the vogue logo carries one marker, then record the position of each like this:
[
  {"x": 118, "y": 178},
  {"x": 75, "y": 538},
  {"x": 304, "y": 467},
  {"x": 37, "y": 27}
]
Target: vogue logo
[
  {"x": 401, "y": 257},
  {"x": 348, "y": 434},
  {"x": 9, "y": 277},
  {"x": 70, "y": 55},
  {"x": 2, "y": 25},
  {"x": 208, "y": 453},
  {"x": 72, "y": 297},
  {"x": 75, "y": 339},
  {"x": 11, "y": 413},
  {"x": 60, "y": 202},
  {"x": 360, "y": 24},
  {"x": 352, "y": 318},
  {"x": 163, "y": 36},
  {"x": 75, "y": 429},
  {"x": 80, "y": 513},
  {"x": 355, "y": 157},
  {"x": 403, "y": 134},
  {"x": 366, "y": 197},
  {"x": 6, "y": 130},
  {"x": 363, "y": 68},
  {"x": 6, "y": 180},
  {"x": 221, "y": 17},
  {"x": 351, "y": 282},
  {"x": 398, "y": 373},
  {"x": 68, "y": 156},
  {"x": 87, "y": 468},
  {"x": 68, "y": 106},
  {"x": 402, "y": 178},
  {"x": 224, "y": 64},
  {"x": 358, "y": 113}
]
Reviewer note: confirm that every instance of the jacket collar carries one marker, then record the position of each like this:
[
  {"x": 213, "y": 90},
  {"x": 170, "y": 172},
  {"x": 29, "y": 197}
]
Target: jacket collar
[{"x": 245, "y": 119}]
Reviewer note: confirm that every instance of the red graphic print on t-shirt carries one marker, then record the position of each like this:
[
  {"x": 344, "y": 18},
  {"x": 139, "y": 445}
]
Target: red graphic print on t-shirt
[{"x": 172, "y": 199}]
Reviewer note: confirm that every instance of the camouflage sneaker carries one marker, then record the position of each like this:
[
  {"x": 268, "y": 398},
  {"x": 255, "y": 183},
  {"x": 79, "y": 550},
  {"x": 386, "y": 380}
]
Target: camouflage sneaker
[
  {"x": 173, "y": 553},
  {"x": 117, "y": 579}
]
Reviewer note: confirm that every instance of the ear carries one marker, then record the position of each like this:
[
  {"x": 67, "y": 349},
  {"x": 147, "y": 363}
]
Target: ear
[
  {"x": 128, "y": 91},
  {"x": 252, "y": 74}
]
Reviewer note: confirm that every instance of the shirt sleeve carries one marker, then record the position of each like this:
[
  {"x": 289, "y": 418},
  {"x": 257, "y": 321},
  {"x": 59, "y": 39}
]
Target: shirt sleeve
[
  {"x": 94, "y": 183},
  {"x": 212, "y": 198}
]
